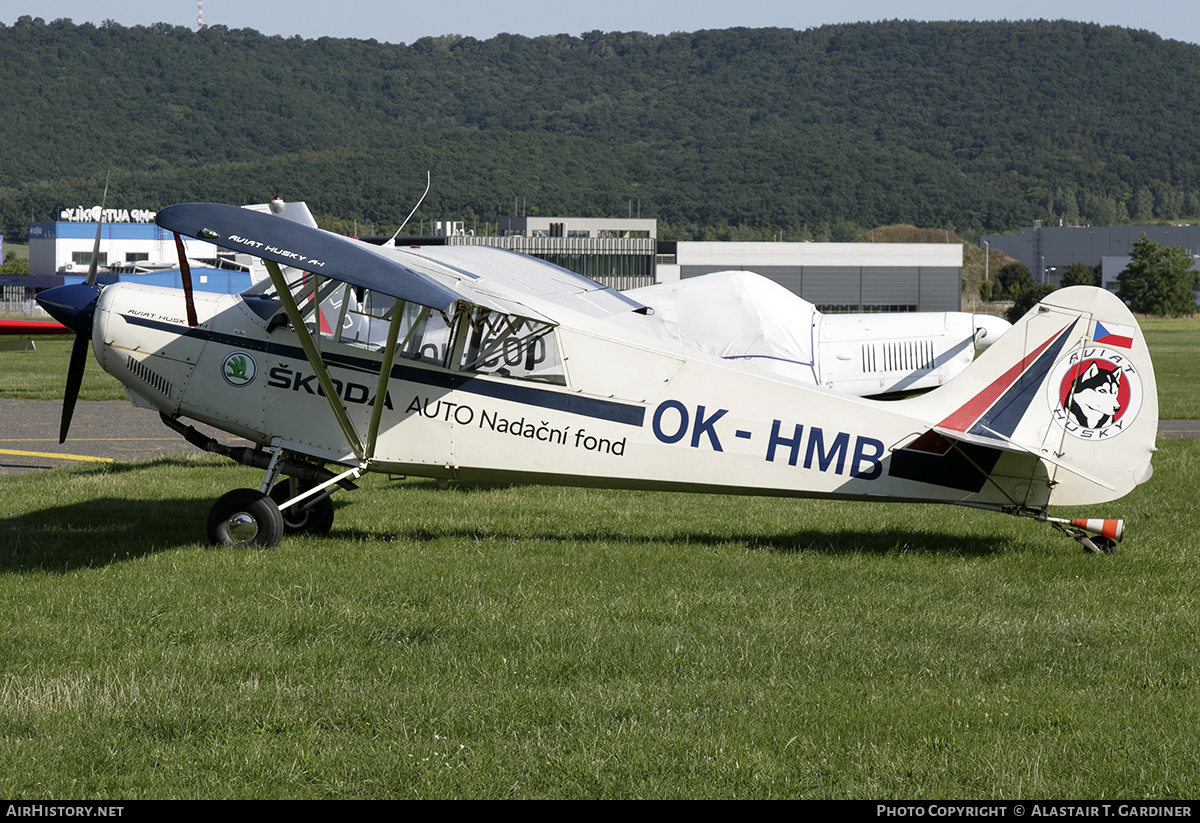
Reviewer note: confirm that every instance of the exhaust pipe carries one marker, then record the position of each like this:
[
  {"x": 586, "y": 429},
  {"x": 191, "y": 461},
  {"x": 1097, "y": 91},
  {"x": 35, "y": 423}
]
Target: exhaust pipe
[{"x": 253, "y": 457}]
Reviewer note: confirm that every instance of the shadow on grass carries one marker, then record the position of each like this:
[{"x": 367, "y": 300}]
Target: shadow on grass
[
  {"x": 110, "y": 529},
  {"x": 98, "y": 532},
  {"x": 830, "y": 543},
  {"x": 887, "y": 541}
]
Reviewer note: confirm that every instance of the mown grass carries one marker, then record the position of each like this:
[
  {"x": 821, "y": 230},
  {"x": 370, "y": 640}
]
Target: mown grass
[
  {"x": 42, "y": 373},
  {"x": 1175, "y": 350},
  {"x": 494, "y": 641}
]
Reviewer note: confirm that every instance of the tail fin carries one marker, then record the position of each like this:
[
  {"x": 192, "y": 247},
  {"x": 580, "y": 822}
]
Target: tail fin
[{"x": 1072, "y": 384}]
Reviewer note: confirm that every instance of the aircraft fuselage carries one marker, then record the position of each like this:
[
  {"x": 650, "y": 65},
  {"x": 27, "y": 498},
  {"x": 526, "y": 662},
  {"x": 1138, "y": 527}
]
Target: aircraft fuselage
[{"x": 626, "y": 415}]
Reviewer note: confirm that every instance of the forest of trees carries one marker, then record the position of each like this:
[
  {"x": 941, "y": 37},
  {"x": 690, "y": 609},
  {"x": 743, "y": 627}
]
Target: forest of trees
[{"x": 724, "y": 134}]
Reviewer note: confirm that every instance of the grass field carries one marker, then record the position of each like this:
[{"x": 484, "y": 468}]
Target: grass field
[
  {"x": 538, "y": 642},
  {"x": 1175, "y": 348},
  {"x": 495, "y": 641}
]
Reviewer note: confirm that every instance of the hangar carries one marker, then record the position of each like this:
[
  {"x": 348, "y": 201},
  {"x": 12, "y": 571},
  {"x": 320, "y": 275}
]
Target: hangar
[
  {"x": 839, "y": 277},
  {"x": 836, "y": 277},
  {"x": 1047, "y": 250}
]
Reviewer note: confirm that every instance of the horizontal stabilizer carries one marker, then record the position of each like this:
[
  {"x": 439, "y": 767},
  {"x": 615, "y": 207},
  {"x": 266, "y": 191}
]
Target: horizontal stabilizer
[{"x": 994, "y": 440}]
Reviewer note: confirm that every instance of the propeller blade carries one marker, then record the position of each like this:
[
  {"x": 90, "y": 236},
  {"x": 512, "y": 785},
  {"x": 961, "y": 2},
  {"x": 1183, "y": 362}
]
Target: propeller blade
[
  {"x": 91, "y": 276},
  {"x": 74, "y": 381},
  {"x": 74, "y": 306}
]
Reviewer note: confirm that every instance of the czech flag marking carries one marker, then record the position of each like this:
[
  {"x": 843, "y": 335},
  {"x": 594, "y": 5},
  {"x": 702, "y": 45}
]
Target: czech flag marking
[{"x": 1111, "y": 334}]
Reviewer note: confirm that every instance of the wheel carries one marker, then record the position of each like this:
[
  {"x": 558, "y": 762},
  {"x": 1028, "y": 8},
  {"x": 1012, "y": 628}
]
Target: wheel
[
  {"x": 1097, "y": 544},
  {"x": 245, "y": 518},
  {"x": 306, "y": 517}
]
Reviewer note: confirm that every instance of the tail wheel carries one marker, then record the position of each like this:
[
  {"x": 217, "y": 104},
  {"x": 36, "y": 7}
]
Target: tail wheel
[
  {"x": 245, "y": 518},
  {"x": 1097, "y": 544},
  {"x": 306, "y": 517}
]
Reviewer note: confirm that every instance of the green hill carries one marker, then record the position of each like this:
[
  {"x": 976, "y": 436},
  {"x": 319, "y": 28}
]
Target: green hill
[{"x": 731, "y": 133}]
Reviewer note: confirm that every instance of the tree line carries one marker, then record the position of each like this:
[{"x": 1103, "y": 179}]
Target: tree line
[{"x": 736, "y": 133}]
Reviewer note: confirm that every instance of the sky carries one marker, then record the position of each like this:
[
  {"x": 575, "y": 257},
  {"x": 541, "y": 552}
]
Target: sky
[{"x": 404, "y": 21}]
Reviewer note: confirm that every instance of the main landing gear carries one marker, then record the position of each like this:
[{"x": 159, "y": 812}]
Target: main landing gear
[
  {"x": 297, "y": 503},
  {"x": 311, "y": 516},
  {"x": 256, "y": 518},
  {"x": 247, "y": 517}
]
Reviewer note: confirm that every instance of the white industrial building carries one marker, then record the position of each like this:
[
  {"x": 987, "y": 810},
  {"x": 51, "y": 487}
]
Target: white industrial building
[
  {"x": 65, "y": 248},
  {"x": 838, "y": 277}
]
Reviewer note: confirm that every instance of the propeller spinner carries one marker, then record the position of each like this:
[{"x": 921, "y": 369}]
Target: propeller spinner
[{"x": 73, "y": 306}]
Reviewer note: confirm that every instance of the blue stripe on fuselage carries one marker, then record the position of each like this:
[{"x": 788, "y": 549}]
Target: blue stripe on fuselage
[
  {"x": 498, "y": 389},
  {"x": 1006, "y": 413}
]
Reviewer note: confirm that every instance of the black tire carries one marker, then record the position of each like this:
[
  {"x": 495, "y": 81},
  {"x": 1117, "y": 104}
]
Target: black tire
[
  {"x": 245, "y": 518},
  {"x": 307, "y": 517}
]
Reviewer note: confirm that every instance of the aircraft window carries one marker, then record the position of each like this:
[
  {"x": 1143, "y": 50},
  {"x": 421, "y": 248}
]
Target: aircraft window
[
  {"x": 263, "y": 299},
  {"x": 330, "y": 298},
  {"x": 494, "y": 343},
  {"x": 511, "y": 346},
  {"x": 359, "y": 317},
  {"x": 424, "y": 335}
]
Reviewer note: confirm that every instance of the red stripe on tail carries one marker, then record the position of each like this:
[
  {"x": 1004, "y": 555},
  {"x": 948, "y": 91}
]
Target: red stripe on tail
[{"x": 973, "y": 409}]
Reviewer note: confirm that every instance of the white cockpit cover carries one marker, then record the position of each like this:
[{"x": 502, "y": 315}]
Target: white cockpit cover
[{"x": 737, "y": 315}]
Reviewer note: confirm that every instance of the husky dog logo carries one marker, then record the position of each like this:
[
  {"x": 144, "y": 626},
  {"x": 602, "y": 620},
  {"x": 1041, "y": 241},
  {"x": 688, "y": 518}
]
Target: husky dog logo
[
  {"x": 1094, "y": 393},
  {"x": 239, "y": 369},
  {"x": 1093, "y": 396}
]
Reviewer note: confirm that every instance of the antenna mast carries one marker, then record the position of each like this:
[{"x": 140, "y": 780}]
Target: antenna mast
[{"x": 199, "y": 14}]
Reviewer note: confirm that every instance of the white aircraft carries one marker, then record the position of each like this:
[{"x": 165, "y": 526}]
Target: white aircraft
[
  {"x": 740, "y": 315},
  {"x": 477, "y": 364}
]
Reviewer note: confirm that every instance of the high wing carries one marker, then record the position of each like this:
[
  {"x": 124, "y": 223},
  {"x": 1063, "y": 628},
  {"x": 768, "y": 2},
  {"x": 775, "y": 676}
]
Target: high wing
[
  {"x": 291, "y": 244},
  {"x": 430, "y": 276}
]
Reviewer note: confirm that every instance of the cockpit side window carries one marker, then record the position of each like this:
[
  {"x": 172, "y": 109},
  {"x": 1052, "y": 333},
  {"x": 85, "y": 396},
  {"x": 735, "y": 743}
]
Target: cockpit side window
[
  {"x": 363, "y": 318},
  {"x": 424, "y": 335},
  {"x": 308, "y": 291},
  {"x": 506, "y": 345}
]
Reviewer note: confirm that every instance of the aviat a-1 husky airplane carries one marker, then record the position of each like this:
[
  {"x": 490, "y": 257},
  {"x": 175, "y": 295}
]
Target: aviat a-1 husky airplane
[{"x": 477, "y": 364}]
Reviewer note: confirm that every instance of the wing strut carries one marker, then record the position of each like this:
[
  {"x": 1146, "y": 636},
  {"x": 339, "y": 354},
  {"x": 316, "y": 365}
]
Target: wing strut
[
  {"x": 314, "y": 359},
  {"x": 385, "y": 372},
  {"x": 185, "y": 276}
]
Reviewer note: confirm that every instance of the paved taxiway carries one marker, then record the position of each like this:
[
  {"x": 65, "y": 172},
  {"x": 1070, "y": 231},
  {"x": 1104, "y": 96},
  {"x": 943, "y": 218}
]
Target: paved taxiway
[
  {"x": 115, "y": 431},
  {"x": 101, "y": 432}
]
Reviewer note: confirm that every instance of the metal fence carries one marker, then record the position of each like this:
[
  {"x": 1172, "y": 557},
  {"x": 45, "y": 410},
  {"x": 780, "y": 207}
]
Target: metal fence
[{"x": 21, "y": 308}]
